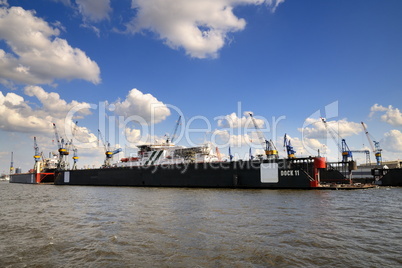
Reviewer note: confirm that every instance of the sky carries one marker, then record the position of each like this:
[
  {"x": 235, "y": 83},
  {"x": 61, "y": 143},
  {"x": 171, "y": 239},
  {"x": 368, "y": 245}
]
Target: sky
[{"x": 131, "y": 68}]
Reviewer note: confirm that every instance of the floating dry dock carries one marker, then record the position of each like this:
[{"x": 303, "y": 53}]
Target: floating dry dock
[
  {"x": 167, "y": 165},
  {"x": 304, "y": 173}
]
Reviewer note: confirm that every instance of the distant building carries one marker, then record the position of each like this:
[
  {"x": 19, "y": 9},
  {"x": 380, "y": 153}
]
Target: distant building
[
  {"x": 364, "y": 170},
  {"x": 385, "y": 164}
]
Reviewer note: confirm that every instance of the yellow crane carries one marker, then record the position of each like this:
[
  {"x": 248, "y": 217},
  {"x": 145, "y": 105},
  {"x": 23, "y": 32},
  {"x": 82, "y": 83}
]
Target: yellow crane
[
  {"x": 108, "y": 152},
  {"x": 269, "y": 147},
  {"x": 63, "y": 150}
]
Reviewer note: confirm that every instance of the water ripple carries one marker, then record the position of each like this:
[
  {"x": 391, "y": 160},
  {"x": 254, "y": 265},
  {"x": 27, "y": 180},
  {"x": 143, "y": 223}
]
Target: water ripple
[{"x": 63, "y": 226}]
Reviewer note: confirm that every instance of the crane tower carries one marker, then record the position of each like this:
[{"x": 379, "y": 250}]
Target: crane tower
[
  {"x": 108, "y": 152},
  {"x": 270, "y": 150},
  {"x": 63, "y": 151},
  {"x": 375, "y": 145}
]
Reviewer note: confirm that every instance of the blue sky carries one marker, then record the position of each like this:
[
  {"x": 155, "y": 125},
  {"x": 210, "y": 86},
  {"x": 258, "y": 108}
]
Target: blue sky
[{"x": 214, "y": 61}]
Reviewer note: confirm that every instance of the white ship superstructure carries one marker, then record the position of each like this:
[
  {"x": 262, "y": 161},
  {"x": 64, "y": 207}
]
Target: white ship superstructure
[{"x": 166, "y": 153}]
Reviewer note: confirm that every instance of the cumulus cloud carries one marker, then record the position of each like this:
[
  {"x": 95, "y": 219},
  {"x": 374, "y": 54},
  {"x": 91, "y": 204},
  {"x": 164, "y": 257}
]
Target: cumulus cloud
[
  {"x": 132, "y": 135},
  {"x": 199, "y": 27},
  {"x": 391, "y": 115},
  {"x": 143, "y": 105},
  {"x": 228, "y": 138},
  {"x": 225, "y": 138},
  {"x": 38, "y": 55},
  {"x": 233, "y": 121},
  {"x": 17, "y": 114},
  {"x": 308, "y": 146},
  {"x": 315, "y": 128},
  {"x": 83, "y": 135},
  {"x": 392, "y": 141},
  {"x": 52, "y": 103}
]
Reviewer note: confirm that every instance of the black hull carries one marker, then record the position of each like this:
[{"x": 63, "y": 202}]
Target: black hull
[
  {"x": 392, "y": 177},
  {"x": 29, "y": 178},
  {"x": 240, "y": 174},
  {"x": 47, "y": 176}
]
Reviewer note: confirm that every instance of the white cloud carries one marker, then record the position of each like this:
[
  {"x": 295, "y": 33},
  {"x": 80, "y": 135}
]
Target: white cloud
[
  {"x": 200, "y": 27},
  {"x": 227, "y": 138},
  {"x": 16, "y": 114},
  {"x": 132, "y": 135},
  {"x": 143, "y": 105},
  {"x": 52, "y": 103},
  {"x": 20, "y": 117},
  {"x": 315, "y": 128},
  {"x": 94, "y": 10},
  {"x": 308, "y": 146},
  {"x": 391, "y": 116},
  {"x": 233, "y": 121},
  {"x": 38, "y": 56},
  {"x": 377, "y": 108},
  {"x": 274, "y": 3},
  {"x": 83, "y": 135},
  {"x": 392, "y": 141}
]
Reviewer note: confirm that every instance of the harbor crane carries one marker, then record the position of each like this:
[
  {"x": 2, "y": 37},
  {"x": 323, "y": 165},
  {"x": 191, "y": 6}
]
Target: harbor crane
[
  {"x": 250, "y": 154},
  {"x": 12, "y": 163},
  {"x": 75, "y": 157},
  {"x": 289, "y": 148},
  {"x": 270, "y": 150},
  {"x": 230, "y": 155},
  {"x": 108, "y": 152},
  {"x": 75, "y": 150},
  {"x": 343, "y": 148},
  {"x": 375, "y": 145},
  {"x": 37, "y": 155},
  {"x": 171, "y": 138},
  {"x": 63, "y": 150}
]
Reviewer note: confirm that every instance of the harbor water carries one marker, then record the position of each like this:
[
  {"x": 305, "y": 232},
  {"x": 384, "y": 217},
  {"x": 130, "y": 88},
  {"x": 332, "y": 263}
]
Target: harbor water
[{"x": 85, "y": 226}]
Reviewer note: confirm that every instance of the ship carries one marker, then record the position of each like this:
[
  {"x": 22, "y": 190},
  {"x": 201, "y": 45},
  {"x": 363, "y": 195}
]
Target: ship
[
  {"x": 388, "y": 176},
  {"x": 167, "y": 165},
  {"x": 43, "y": 172}
]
